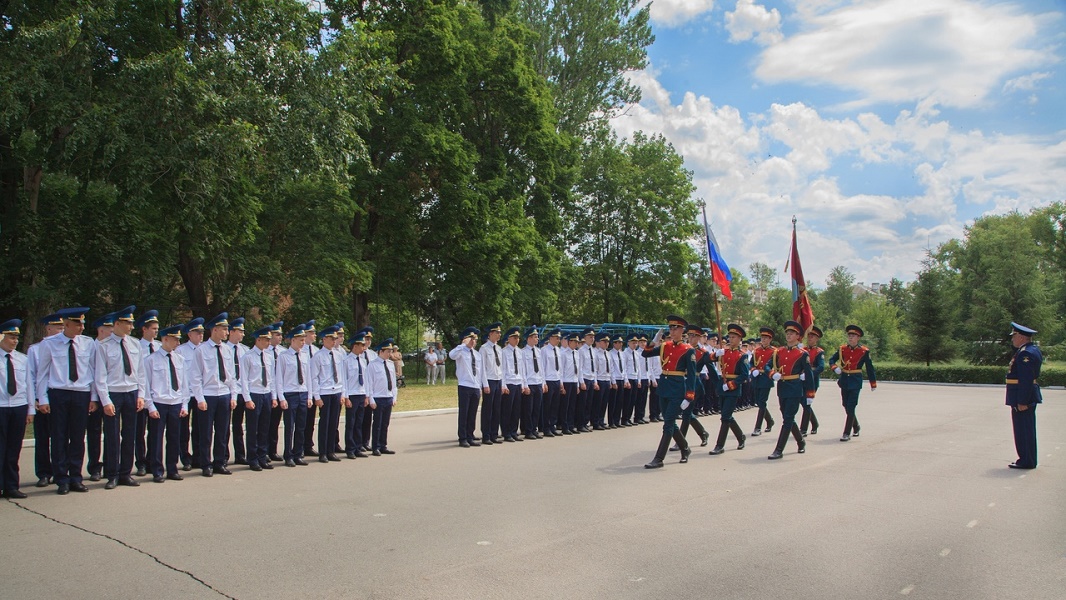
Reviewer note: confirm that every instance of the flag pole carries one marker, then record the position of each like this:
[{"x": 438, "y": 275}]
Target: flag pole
[{"x": 714, "y": 286}]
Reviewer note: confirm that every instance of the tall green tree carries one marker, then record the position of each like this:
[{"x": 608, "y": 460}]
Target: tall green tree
[
  {"x": 930, "y": 320},
  {"x": 837, "y": 299}
]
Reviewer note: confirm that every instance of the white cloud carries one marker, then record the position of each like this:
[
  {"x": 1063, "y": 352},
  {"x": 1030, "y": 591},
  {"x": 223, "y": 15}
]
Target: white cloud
[
  {"x": 955, "y": 52},
  {"x": 749, "y": 20},
  {"x": 674, "y": 13},
  {"x": 1025, "y": 82}
]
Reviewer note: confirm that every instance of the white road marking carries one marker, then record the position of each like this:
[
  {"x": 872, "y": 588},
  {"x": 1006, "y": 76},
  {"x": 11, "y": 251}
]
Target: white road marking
[
  {"x": 484, "y": 543},
  {"x": 991, "y": 504},
  {"x": 379, "y": 514},
  {"x": 945, "y": 552},
  {"x": 636, "y": 579},
  {"x": 1021, "y": 477},
  {"x": 906, "y": 590},
  {"x": 972, "y": 524}
]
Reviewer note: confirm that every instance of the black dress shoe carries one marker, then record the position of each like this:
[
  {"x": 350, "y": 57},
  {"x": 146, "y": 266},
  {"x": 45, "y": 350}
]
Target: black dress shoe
[
  {"x": 337, "y": 449},
  {"x": 547, "y": 433},
  {"x": 323, "y": 459},
  {"x": 475, "y": 443},
  {"x": 64, "y": 489},
  {"x": 206, "y": 472},
  {"x": 266, "y": 466},
  {"x": 464, "y": 444},
  {"x": 366, "y": 448},
  {"x": 223, "y": 471},
  {"x": 94, "y": 476},
  {"x": 376, "y": 453},
  {"x": 141, "y": 472},
  {"x": 568, "y": 432},
  {"x": 290, "y": 463},
  {"x": 814, "y": 431},
  {"x": 255, "y": 466},
  {"x": 350, "y": 455},
  {"x": 77, "y": 486},
  {"x": 159, "y": 479},
  {"x": 743, "y": 439},
  {"x": 310, "y": 452},
  {"x": 674, "y": 448},
  {"x": 776, "y": 455},
  {"x": 845, "y": 438},
  {"x": 185, "y": 467},
  {"x": 802, "y": 447},
  {"x": 361, "y": 454},
  {"x": 128, "y": 482},
  {"x": 716, "y": 451},
  {"x": 756, "y": 433},
  {"x": 175, "y": 477},
  {"x": 509, "y": 439},
  {"x": 1016, "y": 465},
  {"x": 240, "y": 461},
  {"x": 275, "y": 457},
  {"x": 487, "y": 442},
  {"x": 14, "y": 494},
  {"x": 44, "y": 482},
  {"x": 333, "y": 458},
  {"x": 300, "y": 461},
  {"x": 531, "y": 436},
  {"x": 387, "y": 451},
  {"x": 704, "y": 439}
]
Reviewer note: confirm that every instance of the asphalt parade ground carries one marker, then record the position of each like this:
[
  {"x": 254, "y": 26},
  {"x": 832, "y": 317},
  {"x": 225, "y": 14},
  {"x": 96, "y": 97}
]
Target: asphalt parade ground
[{"x": 921, "y": 505}]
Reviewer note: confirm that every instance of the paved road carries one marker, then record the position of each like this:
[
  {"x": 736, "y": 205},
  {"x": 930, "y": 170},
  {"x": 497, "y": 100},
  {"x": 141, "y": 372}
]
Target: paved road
[{"x": 922, "y": 505}]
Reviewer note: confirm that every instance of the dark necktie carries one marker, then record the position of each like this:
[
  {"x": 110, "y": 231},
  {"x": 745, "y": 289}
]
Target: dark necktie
[
  {"x": 151, "y": 349},
  {"x": 11, "y": 387},
  {"x": 359, "y": 361},
  {"x": 515, "y": 353},
  {"x": 473, "y": 362},
  {"x": 536, "y": 367},
  {"x": 72, "y": 362},
  {"x": 125, "y": 357},
  {"x": 388, "y": 376},
  {"x": 555, "y": 351},
  {"x": 173, "y": 373},
  {"x": 263, "y": 366},
  {"x": 299, "y": 370},
  {"x": 592, "y": 362},
  {"x": 221, "y": 366},
  {"x": 607, "y": 359},
  {"x": 634, "y": 356},
  {"x": 496, "y": 351},
  {"x": 333, "y": 363},
  {"x": 619, "y": 363},
  {"x": 574, "y": 353},
  {"x": 236, "y": 363}
]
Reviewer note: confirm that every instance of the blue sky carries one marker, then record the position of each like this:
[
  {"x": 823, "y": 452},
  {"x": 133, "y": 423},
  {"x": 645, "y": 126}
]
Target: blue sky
[{"x": 885, "y": 126}]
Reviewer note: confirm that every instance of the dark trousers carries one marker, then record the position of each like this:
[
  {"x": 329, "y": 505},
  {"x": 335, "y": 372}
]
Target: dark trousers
[
  {"x": 367, "y": 426},
  {"x": 382, "y": 416},
  {"x": 671, "y": 410},
  {"x": 585, "y": 403},
  {"x": 491, "y": 406},
  {"x": 549, "y": 414},
  {"x": 309, "y": 431},
  {"x": 468, "y": 401},
  {"x": 616, "y": 403},
  {"x": 789, "y": 408},
  {"x": 94, "y": 435},
  {"x": 531, "y": 409},
  {"x": 640, "y": 400},
  {"x": 118, "y": 435},
  {"x": 654, "y": 407},
  {"x": 42, "y": 449},
  {"x": 1024, "y": 422},
  {"x": 568, "y": 406},
  {"x": 849, "y": 399},
  {"x": 168, "y": 426},
  {"x": 729, "y": 404},
  {"x": 70, "y": 413},
  {"x": 257, "y": 437},
  {"x": 295, "y": 418},
  {"x": 353, "y": 425},
  {"x": 214, "y": 426},
  {"x": 512, "y": 405},
  {"x": 273, "y": 430},
  {"x": 628, "y": 399},
  {"x": 12, "y": 430},
  {"x": 599, "y": 413},
  {"x": 809, "y": 417},
  {"x": 190, "y": 436},
  {"x": 240, "y": 453},
  {"x": 141, "y": 447},
  {"x": 331, "y": 418}
]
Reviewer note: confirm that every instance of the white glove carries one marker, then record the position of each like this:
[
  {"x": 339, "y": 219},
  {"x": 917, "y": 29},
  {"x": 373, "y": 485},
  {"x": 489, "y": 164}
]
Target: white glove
[
  {"x": 685, "y": 404},
  {"x": 800, "y": 345},
  {"x": 725, "y": 387},
  {"x": 838, "y": 370},
  {"x": 755, "y": 372},
  {"x": 777, "y": 376},
  {"x": 719, "y": 352},
  {"x": 809, "y": 401},
  {"x": 803, "y": 377}
]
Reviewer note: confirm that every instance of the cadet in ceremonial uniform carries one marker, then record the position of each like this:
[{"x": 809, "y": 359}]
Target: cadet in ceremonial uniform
[
  {"x": 848, "y": 363},
  {"x": 533, "y": 403},
  {"x": 213, "y": 382},
  {"x": 551, "y": 422},
  {"x": 355, "y": 376},
  {"x": 655, "y": 370},
  {"x": 237, "y": 350},
  {"x": 120, "y": 387},
  {"x": 677, "y": 388},
  {"x": 795, "y": 382},
  {"x": 190, "y": 427},
  {"x": 571, "y": 374},
  {"x": 491, "y": 385},
  {"x": 148, "y": 325},
  {"x": 294, "y": 381},
  {"x": 466, "y": 372},
  {"x": 166, "y": 397},
  {"x": 382, "y": 387},
  {"x": 329, "y": 392},
  {"x": 701, "y": 359},
  {"x": 761, "y": 382},
  {"x": 514, "y": 386},
  {"x": 816, "y": 356},
  {"x": 1023, "y": 394},
  {"x": 16, "y": 409},
  {"x": 259, "y": 391},
  {"x": 734, "y": 366},
  {"x": 94, "y": 425},
  {"x": 42, "y": 447}
]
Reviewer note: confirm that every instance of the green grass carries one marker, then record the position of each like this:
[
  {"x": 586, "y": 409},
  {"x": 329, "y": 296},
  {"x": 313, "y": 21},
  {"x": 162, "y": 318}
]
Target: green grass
[{"x": 419, "y": 396}]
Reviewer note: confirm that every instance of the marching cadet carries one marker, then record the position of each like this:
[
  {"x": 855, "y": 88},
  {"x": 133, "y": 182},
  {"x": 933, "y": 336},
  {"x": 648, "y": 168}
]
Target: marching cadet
[
  {"x": 312, "y": 411},
  {"x": 16, "y": 410},
  {"x": 533, "y": 402},
  {"x": 604, "y": 385},
  {"x": 620, "y": 381},
  {"x": 795, "y": 382},
  {"x": 120, "y": 386},
  {"x": 550, "y": 422},
  {"x": 148, "y": 324},
  {"x": 816, "y": 356},
  {"x": 259, "y": 392},
  {"x": 491, "y": 385},
  {"x": 94, "y": 426},
  {"x": 42, "y": 455},
  {"x": 735, "y": 371},
  {"x": 571, "y": 374},
  {"x": 276, "y": 411},
  {"x": 190, "y": 427},
  {"x": 329, "y": 392},
  {"x": 677, "y": 387},
  {"x": 762, "y": 357},
  {"x": 213, "y": 383},
  {"x": 466, "y": 372},
  {"x": 355, "y": 377},
  {"x": 382, "y": 386},
  {"x": 236, "y": 349},
  {"x": 294, "y": 387},
  {"x": 166, "y": 397},
  {"x": 368, "y": 415},
  {"x": 64, "y": 390},
  {"x": 848, "y": 363},
  {"x": 1023, "y": 394},
  {"x": 514, "y": 386},
  {"x": 655, "y": 370},
  {"x": 701, "y": 359}
]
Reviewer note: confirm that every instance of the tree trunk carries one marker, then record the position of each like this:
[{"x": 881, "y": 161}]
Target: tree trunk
[{"x": 192, "y": 275}]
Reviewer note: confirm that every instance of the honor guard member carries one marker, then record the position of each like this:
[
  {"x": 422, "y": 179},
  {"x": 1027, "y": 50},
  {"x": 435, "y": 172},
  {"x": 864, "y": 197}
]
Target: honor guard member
[
  {"x": 571, "y": 374},
  {"x": 294, "y": 385},
  {"x": 640, "y": 396},
  {"x": 734, "y": 365},
  {"x": 514, "y": 385},
  {"x": 259, "y": 393},
  {"x": 677, "y": 387},
  {"x": 275, "y": 412},
  {"x": 553, "y": 380},
  {"x": 120, "y": 386},
  {"x": 148, "y": 325},
  {"x": 632, "y": 383},
  {"x": 466, "y": 371},
  {"x": 619, "y": 381},
  {"x": 64, "y": 390},
  {"x": 491, "y": 385},
  {"x": 848, "y": 363},
  {"x": 532, "y": 357},
  {"x": 816, "y": 356},
  {"x": 310, "y": 350},
  {"x": 166, "y": 402},
  {"x": 762, "y": 359},
  {"x": 795, "y": 383},
  {"x": 655, "y": 370},
  {"x": 366, "y": 427},
  {"x": 16, "y": 410},
  {"x": 94, "y": 426},
  {"x": 329, "y": 387},
  {"x": 236, "y": 350},
  {"x": 1023, "y": 394},
  {"x": 42, "y": 437},
  {"x": 213, "y": 382},
  {"x": 700, "y": 359},
  {"x": 382, "y": 388},
  {"x": 588, "y": 388},
  {"x": 190, "y": 427},
  {"x": 355, "y": 377}
]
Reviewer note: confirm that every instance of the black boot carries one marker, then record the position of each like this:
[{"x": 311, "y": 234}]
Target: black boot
[
  {"x": 758, "y": 424},
  {"x": 719, "y": 446},
  {"x": 769, "y": 421},
  {"x": 741, "y": 438},
  {"x": 847, "y": 429},
  {"x": 683, "y": 444},
  {"x": 801, "y": 444},
  {"x": 698, "y": 428},
  {"x": 684, "y": 432},
  {"x": 660, "y": 453},
  {"x": 814, "y": 422},
  {"x": 854, "y": 426},
  {"x": 782, "y": 439},
  {"x": 805, "y": 421}
]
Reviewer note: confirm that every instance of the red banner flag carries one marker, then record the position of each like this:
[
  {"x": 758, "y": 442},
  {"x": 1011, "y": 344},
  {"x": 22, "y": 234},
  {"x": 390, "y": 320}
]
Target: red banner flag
[{"x": 801, "y": 304}]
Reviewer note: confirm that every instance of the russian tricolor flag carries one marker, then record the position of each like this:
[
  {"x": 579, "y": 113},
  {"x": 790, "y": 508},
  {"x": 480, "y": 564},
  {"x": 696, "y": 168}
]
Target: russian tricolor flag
[{"x": 720, "y": 272}]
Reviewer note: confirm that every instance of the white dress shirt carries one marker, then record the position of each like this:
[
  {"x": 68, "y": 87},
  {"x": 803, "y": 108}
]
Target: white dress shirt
[
  {"x": 552, "y": 364},
  {"x": 586, "y": 362},
  {"x": 534, "y": 368},
  {"x": 327, "y": 369},
  {"x": 53, "y": 365},
  {"x": 602, "y": 368},
  {"x": 468, "y": 366},
  {"x": 158, "y": 388},
  {"x": 257, "y": 365},
  {"x": 188, "y": 352},
  {"x": 381, "y": 381},
  {"x": 110, "y": 370},
  {"x": 570, "y": 365},
  {"x": 236, "y": 351},
  {"x": 514, "y": 372},
  {"x": 22, "y": 395},
  {"x": 204, "y": 372},
  {"x": 492, "y": 360},
  {"x": 288, "y": 376},
  {"x": 618, "y": 367},
  {"x": 355, "y": 366}
]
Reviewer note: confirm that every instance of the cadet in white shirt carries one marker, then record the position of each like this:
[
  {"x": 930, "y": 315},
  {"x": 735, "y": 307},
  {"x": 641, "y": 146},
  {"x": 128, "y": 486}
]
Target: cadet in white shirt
[
  {"x": 237, "y": 350},
  {"x": 381, "y": 387},
  {"x": 120, "y": 386},
  {"x": 630, "y": 360},
  {"x": 295, "y": 387},
  {"x": 16, "y": 410},
  {"x": 491, "y": 385},
  {"x": 586, "y": 365},
  {"x": 42, "y": 454},
  {"x": 213, "y": 381},
  {"x": 533, "y": 402},
  {"x": 619, "y": 383},
  {"x": 166, "y": 402},
  {"x": 571, "y": 385},
  {"x": 276, "y": 412},
  {"x": 148, "y": 324},
  {"x": 604, "y": 385},
  {"x": 190, "y": 427},
  {"x": 514, "y": 386},
  {"x": 94, "y": 425},
  {"x": 640, "y": 397},
  {"x": 355, "y": 367},
  {"x": 310, "y": 350},
  {"x": 260, "y": 393},
  {"x": 466, "y": 372},
  {"x": 327, "y": 370},
  {"x": 550, "y": 421}
]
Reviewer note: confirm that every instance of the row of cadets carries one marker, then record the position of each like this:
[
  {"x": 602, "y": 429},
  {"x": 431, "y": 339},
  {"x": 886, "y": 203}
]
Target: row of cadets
[
  {"x": 795, "y": 383},
  {"x": 16, "y": 407},
  {"x": 42, "y": 455},
  {"x": 735, "y": 371},
  {"x": 816, "y": 356},
  {"x": 848, "y": 363},
  {"x": 120, "y": 387},
  {"x": 762, "y": 357},
  {"x": 166, "y": 404},
  {"x": 330, "y": 392},
  {"x": 491, "y": 385}
]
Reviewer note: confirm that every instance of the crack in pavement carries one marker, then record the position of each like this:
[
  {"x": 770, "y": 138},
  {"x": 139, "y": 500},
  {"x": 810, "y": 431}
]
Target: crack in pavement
[{"x": 124, "y": 544}]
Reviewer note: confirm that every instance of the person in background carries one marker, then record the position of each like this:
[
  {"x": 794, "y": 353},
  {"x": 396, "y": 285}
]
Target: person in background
[
  {"x": 430, "y": 359},
  {"x": 42, "y": 437},
  {"x": 16, "y": 410}
]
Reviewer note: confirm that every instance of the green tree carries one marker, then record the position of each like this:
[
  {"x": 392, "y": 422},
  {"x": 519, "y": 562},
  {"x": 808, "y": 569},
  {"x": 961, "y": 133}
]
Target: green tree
[
  {"x": 879, "y": 320},
  {"x": 929, "y": 321},
  {"x": 837, "y": 299}
]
